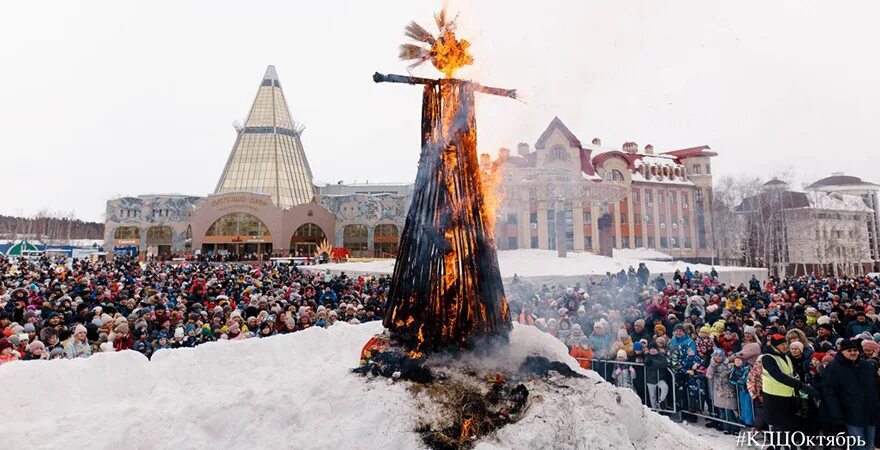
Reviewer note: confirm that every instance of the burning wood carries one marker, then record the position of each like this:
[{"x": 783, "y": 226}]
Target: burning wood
[{"x": 446, "y": 291}]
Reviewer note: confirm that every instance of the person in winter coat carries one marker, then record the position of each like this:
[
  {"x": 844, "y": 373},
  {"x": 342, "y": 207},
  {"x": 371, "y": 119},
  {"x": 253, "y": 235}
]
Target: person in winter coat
[
  {"x": 751, "y": 348},
  {"x": 78, "y": 345},
  {"x": 753, "y": 384},
  {"x": 723, "y": 393},
  {"x": 851, "y": 392},
  {"x": 579, "y": 346},
  {"x": 36, "y": 350},
  {"x": 693, "y": 371},
  {"x": 123, "y": 340},
  {"x": 7, "y": 354},
  {"x": 624, "y": 374},
  {"x": 643, "y": 274},
  {"x": 860, "y": 325},
  {"x": 655, "y": 368},
  {"x": 704, "y": 343},
  {"x": 779, "y": 385},
  {"x": 739, "y": 377}
]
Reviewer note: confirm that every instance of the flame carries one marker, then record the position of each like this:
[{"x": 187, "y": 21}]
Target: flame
[
  {"x": 446, "y": 52},
  {"x": 467, "y": 429},
  {"x": 493, "y": 195}
]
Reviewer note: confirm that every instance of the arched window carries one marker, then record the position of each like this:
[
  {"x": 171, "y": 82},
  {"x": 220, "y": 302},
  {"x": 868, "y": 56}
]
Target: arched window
[
  {"x": 238, "y": 224},
  {"x": 159, "y": 235},
  {"x": 385, "y": 239},
  {"x": 616, "y": 175},
  {"x": 558, "y": 153},
  {"x": 355, "y": 237},
  {"x": 306, "y": 239},
  {"x": 127, "y": 233}
]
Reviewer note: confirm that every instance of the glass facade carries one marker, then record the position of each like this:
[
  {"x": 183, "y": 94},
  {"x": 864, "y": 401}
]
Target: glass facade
[
  {"x": 268, "y": 155},
  {"x": 238, "y": 224},
  {"x": 306, "y": 239}
]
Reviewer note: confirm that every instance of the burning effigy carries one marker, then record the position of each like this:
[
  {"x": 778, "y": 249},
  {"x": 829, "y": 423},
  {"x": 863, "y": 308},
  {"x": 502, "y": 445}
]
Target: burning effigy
[{"x": 446, "y": 299}]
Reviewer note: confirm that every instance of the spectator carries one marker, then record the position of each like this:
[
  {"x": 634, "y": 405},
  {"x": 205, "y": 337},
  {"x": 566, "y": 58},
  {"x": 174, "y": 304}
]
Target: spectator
[
  {"x": 723, "y": 393},
  {"x": 851, "y": 392}
]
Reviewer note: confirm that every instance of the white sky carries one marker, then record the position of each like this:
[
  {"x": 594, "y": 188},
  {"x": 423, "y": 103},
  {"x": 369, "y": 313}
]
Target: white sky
[{"x": 106, "y": 98}]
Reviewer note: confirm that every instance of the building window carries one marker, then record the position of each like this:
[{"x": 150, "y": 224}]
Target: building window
[
  {"x": 647, "y": 219},
  {"x": 637, "y": 219},
  {"x": 660, "y": 198},
  {"x": 697, "y": 169},
  {"x": 639, "y": 242},
  {"x": 688, "y": 243},
  {"x": 686, "y": 220},
  {"x": 673, "y": 243},
  {"x": 588, "y": 242},
  {"x": 708, "y": 169},
  {"x": 588, "y": 218},
  {"x": 648, "y": 200},
  {"x": 684, "y": 200},
  {"x": 533, "y": 217},
  {"x": 623, "y": 218},
  {"x": 664, "y": 243},
  {"x": 511, "y": 243},
  {"x": 624, "y": 241},
  {"x": 533, "y": 194},
  {"x": 558, "y": 153},
  {"x": 551, "y": 229},
  {"x": 674, "y": 219},
  {"x": 511, "y": 218},
  {"x": 662, "y": 219},
  {"x": 616, "y": 175},
  {"x": 534, "y": 243},
  {"x": 672, "y": 199},
  {"x": 651, "y": 242},
  {"x": 635, "y": 196}
]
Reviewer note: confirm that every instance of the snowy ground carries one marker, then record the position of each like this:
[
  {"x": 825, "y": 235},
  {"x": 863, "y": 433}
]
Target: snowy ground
[
  {"x": 296, "y": 391},
  {"x": 544, "y": 266}
]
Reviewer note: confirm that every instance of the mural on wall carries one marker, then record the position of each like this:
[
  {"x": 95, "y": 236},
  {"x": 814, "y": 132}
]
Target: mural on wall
[
  {"x": 366, "y": 209},
  {"x": 146, "y": 212}
]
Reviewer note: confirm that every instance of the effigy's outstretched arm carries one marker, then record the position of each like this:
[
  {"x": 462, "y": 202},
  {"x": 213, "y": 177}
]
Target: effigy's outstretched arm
[{"x": 406, "y": 79}]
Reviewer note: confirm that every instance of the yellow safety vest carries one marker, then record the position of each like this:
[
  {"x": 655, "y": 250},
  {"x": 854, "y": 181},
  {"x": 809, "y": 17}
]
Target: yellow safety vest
[{"x": 770, "y": 385}]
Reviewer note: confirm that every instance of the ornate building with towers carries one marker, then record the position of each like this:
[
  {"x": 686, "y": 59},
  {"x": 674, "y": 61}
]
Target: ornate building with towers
[{"x": 592, "y": 198}]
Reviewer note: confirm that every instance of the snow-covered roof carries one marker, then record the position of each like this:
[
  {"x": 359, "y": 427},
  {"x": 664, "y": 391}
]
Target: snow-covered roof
[
  {"x": 660, "y": 160},
  {"x": 637, "y": 176},
  {"x": 837, "y": 202}
]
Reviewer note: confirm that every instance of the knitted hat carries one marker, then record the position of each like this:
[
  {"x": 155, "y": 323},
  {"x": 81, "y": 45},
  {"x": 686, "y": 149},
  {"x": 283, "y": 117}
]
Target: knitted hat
[
  {"x": 29, "y": 328},
  {"x": 827, "y": 358},
  {"x": 80, "y": 329},
  {"x": 798, "y": 345},
  {"x": 638, "y": 347},
  {"x": 4, "y": 344},
  {"x": 777, "y": 339},
  {"x": 870, "y": 346},
  {"x": 706, "y": 329},
  {"x": 621, "y": 354},
  {"x": 122, "y": 328},
  {"x": 36, "y": 345},
  {"x": 846, "y": 344}
]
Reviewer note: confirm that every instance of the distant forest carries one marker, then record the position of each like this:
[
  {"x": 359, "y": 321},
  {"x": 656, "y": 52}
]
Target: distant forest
[{"x": 49, "y": 227}]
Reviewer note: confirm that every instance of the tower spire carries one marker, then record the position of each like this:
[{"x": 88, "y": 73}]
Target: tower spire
[{"x": 268, "y": 155}]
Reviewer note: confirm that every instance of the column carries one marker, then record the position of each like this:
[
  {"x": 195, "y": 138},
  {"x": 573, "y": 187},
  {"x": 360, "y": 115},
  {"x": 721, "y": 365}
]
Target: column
[
  {"x": 543, "y": 234},
  {"x": 594, "y": 225},
  {"x": 631, "y": 221},
  {"x": 616, "y": 225},
  {"x": 522, "y": 225},
  {"x": 577, "y": 215}
]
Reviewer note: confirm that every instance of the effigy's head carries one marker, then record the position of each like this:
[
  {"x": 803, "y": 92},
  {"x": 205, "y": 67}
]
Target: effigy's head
[{"x": 446, "y": 52}]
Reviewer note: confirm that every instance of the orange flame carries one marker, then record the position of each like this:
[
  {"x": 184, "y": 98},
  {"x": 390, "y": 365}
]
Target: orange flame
[
  {"x": 467, "y": 429},
  {"x": 446, "y": 52},
  {"x": 493, "y": 195}
]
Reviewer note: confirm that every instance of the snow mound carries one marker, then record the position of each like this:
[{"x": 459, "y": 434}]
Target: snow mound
[
  {"x": 544, "y": 266},
  {"x": 297, "y": 391}
]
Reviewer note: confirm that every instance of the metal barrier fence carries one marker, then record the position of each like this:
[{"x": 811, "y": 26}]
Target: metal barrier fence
[{"x": 691, "y": 394}]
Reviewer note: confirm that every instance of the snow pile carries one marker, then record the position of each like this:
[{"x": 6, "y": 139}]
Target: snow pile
[
  {"x": 641, "y": 254},
  {"x": 544, "y": 266},
  {"x": 297, "y": 391}
]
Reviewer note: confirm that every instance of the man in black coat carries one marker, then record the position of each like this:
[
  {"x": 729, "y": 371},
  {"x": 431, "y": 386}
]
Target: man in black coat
[{"x": 852, "y": 395}]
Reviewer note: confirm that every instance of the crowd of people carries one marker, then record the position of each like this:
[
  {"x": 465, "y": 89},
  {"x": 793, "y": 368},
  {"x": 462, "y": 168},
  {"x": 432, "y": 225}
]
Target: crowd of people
[
  {"x": 58, "y": 308},
  {"x": 796, "y": 354},
  {"x": 792, "y": 354}
]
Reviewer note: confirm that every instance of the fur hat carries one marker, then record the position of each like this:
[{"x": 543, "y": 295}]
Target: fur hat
[
  {"x": 870, "y": 346},
  {"x": 846, "y": 344},
  {"x": 122, "y": 328},
  {"x": 36, "y": 345},
  {"x": 621, "y": 354},
  {"x": 823, "y": 320}
]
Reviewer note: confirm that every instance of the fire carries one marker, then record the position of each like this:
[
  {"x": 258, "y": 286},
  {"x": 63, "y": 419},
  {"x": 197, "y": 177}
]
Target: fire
[
  {"x": 446, "y": 52},
  {"x": 467, "y": 429},
  {"x": 493, "y": 195}
]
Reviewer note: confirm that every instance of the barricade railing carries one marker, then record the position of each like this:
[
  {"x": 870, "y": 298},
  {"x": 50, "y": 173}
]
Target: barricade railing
[{"x": 690, "y": 394}]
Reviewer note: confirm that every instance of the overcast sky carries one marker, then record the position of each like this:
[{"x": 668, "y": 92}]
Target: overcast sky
[{"x": 100, "y": 99}]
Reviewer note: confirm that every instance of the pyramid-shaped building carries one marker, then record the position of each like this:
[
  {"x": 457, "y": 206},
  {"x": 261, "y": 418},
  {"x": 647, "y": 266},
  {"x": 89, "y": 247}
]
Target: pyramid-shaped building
[{"x": 268, "y": 155}]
